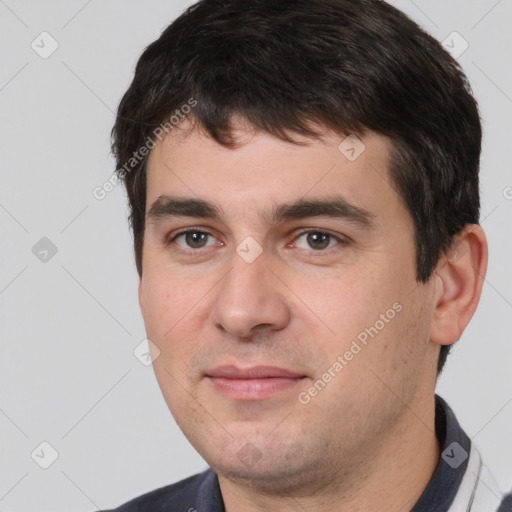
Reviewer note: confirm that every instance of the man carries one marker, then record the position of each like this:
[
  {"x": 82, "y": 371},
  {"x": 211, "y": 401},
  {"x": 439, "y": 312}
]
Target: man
[{"x": 303, "y": 184}]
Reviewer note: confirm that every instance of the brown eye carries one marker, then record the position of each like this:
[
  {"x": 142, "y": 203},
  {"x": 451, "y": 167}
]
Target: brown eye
[
  {"x": 317, "y": 240},
  {"x": 193, "y": 239}
]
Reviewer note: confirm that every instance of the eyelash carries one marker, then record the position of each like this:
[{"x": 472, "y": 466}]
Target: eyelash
[{"x": 341, "y": 241}]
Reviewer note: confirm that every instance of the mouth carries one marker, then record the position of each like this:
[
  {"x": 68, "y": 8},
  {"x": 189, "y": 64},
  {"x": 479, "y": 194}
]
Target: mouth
[{"x": 253, "y": 383}]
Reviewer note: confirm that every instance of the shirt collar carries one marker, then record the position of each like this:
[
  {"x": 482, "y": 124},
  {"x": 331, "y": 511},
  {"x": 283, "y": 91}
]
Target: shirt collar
[{"x": 455, "y": 448}]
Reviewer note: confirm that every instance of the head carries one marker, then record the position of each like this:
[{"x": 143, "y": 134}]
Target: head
[{"x": 264, "y": 94}]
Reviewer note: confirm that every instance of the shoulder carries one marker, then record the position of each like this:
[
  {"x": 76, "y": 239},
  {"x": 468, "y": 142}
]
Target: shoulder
[
  {"x": 506, "y": 504},
  {"x": 178, "y": 496}
]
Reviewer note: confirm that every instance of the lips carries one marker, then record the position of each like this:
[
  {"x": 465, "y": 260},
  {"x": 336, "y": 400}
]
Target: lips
[
  {"x": 254, "y": 383},
  {"x": 255, "y": 372}
]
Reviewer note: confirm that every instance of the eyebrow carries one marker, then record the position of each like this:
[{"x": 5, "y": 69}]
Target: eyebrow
[{"x": 336, "y": 207}]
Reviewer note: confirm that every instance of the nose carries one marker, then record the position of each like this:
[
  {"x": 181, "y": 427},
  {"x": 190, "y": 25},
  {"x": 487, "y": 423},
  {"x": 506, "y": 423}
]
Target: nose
[{"x": 250, "y": 298}]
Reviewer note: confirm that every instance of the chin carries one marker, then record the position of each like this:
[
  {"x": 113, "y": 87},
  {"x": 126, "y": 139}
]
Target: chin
[{"x": 282, "y": 470}]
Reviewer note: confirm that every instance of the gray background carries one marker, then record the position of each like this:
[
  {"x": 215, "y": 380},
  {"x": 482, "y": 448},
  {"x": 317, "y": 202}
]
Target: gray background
[{"x": 69, "y": 325}]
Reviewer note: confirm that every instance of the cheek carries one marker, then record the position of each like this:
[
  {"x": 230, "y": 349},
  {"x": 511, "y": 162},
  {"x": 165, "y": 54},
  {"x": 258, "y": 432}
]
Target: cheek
[
  {"x": 171, "y": 316},
  {"x": 398, "y": 353},
  {"x": 166, "y": 301},
  {"x": 371, "y": 314},
  {"x": 346, "y": 303}
]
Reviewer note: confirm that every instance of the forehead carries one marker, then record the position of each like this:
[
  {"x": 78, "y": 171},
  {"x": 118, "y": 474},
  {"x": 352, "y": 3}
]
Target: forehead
[{"x": 264, "y": 172}]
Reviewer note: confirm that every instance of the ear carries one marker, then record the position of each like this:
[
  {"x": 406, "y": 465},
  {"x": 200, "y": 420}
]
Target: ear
[
  {"x": 459, "y": 278},
  {"x": 141, "y": 297}
]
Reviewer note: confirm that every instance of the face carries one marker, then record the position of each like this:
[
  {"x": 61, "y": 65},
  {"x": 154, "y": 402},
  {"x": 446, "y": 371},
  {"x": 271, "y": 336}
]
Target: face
[{"x": 279, "y": 286}]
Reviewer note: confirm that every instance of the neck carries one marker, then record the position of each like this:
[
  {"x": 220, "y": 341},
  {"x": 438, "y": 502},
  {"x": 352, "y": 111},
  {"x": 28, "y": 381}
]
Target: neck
[{"x": 391, "y": 476}]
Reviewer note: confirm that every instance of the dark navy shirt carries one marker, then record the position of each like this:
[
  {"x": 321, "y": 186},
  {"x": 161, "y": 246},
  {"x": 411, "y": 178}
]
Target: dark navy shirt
[{"x": 460, "y": 483}]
